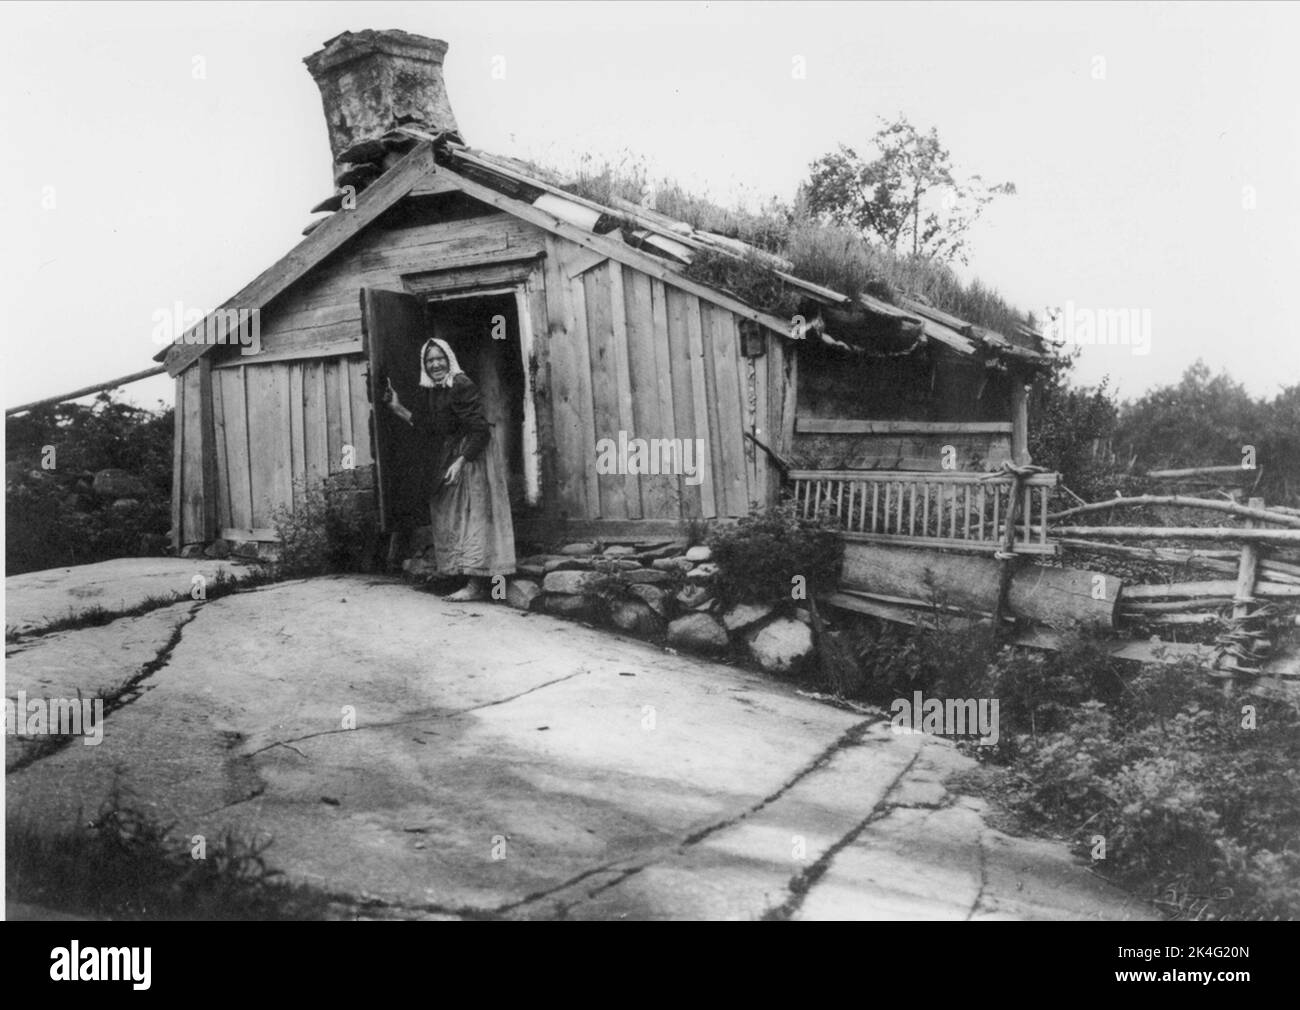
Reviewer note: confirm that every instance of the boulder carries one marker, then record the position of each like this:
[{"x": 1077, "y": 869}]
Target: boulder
[
  {"x": 699, "y": 633},
  {"x": 196, "y": 551},
  {"x": 125, "y": 503},
  {"x": 562, "y": 564},
  {"x": 619, "y": 551},
  {"x": 585, "y": 547},
  {"x": 742, "y": 615},
  {"x": 218, "y": 549},
  {"x": 653, "y": 597},
  {"x": 704, "y": 572},
  {"x": 520, "y": 593},
  {"x": 699, "y": 553},
  {"x": 571, "y": 608},
  {"x": 782, "y": 646},
  {"x": 672, "y": 565},
  {"x": 634, "y": 616},
  {"x": 695, "y": 597},
  {"x": 645, "y": 576},
  {"x": 574, "y": 583},
  {"x": 616, "y": 565},
  {"x": 115, "y": 483},
  {"x": 648, "y": 553}
]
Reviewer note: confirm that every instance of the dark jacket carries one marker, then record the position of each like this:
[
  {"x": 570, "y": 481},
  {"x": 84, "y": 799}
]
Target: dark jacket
[{"x": 454, "y": 423}]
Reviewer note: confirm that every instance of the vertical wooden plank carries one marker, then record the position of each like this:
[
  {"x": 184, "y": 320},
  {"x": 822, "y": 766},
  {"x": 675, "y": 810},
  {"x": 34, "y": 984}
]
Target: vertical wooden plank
[
  {"x": 345, "y": 405},
  {"x": 762, "y": 489},
  {"x": 264, "y": 441},
  {"x": 334, "y": 410},
  {"x": 219, "y": 443},
  {"x": 623, "y": 376},
  {"x": 705, "y": 424},
  {"x": 315, "y": 422},
  {"x": 178, "y": 467},
  {"x": 281, "y": 411},
  {"x": 537, "y": 369},
  {"x": 597, "y": 285},
  {"x": 565, "y": 338},
  {"x": 645, "y": 384},
  {"x": 193, "y": 511},
  {"x": 723, "y": 364},
  {"x": 230, "y": 383},
  {"x": 583, "y": 398},
  {"x": 360, "y": 411},
  {"x": 297, "y": 436},
  {"x": 875, "y": 502},
  {"x": 685, "y": 426},
  {"x": 965, "y": 517},
  {"x": 208, "y": 450}
]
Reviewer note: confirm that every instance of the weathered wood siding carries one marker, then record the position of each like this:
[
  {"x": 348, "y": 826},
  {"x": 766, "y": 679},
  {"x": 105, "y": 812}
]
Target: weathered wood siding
[
  {"x": 633, "y": 357},
  {"x": 614, "y": 350}
]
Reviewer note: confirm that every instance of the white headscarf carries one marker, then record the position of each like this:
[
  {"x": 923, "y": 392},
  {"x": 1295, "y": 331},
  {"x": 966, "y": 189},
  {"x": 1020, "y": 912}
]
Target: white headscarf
[{"x": 453, "y": 366}]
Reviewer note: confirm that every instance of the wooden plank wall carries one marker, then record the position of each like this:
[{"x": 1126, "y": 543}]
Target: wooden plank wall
[
  {"x": 629, "y": 353},
  {"x": 282, "y": 427}
]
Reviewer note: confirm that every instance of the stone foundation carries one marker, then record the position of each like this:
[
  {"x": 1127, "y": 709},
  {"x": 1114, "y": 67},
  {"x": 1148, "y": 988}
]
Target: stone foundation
[{"x": 661, "y": 591}]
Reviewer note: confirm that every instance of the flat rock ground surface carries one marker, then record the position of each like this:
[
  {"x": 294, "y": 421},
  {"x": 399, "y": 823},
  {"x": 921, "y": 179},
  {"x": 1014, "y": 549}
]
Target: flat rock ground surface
[{"x": 418, "y": 758}]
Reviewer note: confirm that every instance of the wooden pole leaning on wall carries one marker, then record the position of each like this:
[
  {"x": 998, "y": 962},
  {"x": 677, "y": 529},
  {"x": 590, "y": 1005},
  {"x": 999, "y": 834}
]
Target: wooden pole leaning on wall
[{"x": 77, "y": 394}]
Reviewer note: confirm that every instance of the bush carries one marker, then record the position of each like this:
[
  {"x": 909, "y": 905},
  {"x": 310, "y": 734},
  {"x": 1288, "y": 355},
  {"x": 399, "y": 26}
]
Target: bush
[
  {"x": 762, "y": 554},
  {"x": 324, "y": 533},
  {"x": 53, "y": 518}
]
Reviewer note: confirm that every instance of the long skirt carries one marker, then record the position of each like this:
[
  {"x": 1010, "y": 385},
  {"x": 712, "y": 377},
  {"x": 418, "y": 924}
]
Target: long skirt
[{"x": 472, "y": 529}]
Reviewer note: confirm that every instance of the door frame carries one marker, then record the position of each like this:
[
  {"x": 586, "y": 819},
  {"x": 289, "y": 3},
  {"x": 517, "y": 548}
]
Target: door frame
[{"x": 531, "y": 449}]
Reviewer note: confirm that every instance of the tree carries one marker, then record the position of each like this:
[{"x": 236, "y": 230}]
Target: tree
[{"x": 908, "y": 198}]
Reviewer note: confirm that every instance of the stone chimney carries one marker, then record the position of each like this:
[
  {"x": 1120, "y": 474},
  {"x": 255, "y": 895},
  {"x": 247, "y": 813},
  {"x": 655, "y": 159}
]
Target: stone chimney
[{"x": 373, "y": 81}]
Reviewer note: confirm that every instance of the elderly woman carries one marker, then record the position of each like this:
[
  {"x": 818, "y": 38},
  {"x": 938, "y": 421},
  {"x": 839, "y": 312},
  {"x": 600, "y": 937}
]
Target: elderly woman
[{"x": 469, "y": 502}]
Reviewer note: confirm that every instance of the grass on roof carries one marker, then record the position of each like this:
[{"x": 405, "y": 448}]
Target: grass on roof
[{"x": 833, "y": 256}]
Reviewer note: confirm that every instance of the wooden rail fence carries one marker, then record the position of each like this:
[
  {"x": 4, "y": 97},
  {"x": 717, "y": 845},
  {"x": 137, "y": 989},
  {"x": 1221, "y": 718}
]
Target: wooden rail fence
[{"x": 940, "y": 509}]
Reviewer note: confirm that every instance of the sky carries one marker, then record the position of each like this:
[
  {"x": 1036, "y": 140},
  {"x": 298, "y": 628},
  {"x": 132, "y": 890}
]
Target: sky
[{"x": 156, "y": 154}]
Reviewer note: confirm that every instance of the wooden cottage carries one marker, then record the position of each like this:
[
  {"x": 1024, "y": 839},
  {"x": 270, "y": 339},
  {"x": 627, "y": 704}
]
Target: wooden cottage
[{"x": 585, "y": 329}]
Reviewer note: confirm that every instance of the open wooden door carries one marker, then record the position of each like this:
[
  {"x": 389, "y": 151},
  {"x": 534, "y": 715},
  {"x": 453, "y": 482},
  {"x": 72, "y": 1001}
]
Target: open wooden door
[{"x": 394, "y": 327}]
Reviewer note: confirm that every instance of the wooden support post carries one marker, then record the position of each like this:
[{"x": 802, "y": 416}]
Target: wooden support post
[
  {"x": 1020, "y": 423},
  {"x": 1006, "y": 557},
  {"x": 1244, "y": 598}
]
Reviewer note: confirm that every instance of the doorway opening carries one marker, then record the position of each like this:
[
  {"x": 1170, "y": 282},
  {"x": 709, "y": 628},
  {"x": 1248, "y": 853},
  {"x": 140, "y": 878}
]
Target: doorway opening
[{"x": 483, "y": 331}]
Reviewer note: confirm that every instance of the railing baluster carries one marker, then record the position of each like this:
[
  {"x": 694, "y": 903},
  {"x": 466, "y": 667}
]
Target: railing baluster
[
  {"x": 1029, "y": 515},
  {"x": 965, "y": 519},
  {"x": 1042, "y": 532}
]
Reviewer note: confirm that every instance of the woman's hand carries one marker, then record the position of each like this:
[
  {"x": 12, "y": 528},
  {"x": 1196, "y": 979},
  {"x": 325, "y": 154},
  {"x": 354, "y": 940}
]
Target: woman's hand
[
  {"x": 453, "y": 472},
  {"x": 389, "y": 395}
]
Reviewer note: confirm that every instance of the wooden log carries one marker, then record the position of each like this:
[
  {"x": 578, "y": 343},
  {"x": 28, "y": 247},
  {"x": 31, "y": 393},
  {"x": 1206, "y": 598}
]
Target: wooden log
[
  {"x": 1135, "y": 605},
  {"x": 77, "y": 394},
  {"x": 1172, "y": 555},
  {"x": 1199, "y": 471},
  {"x": 1200, "y": 590},
  {"x": 846, "y": 426},
  {"x": 1056, "y": 596},
  {"x": 1168, "y": 619},
  {"x": 1181, "y": 501},
  {"x": 1247, "y": 572},
  {"x": 1182, "y": 533}
]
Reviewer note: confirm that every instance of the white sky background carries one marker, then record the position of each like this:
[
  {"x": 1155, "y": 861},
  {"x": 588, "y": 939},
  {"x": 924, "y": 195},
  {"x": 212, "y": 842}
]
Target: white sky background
[{"x": 1130, "y": 195}]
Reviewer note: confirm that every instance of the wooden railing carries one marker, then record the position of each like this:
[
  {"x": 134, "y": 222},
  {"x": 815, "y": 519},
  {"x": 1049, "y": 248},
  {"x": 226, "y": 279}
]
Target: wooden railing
[{"x": 938, "y": 509}]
